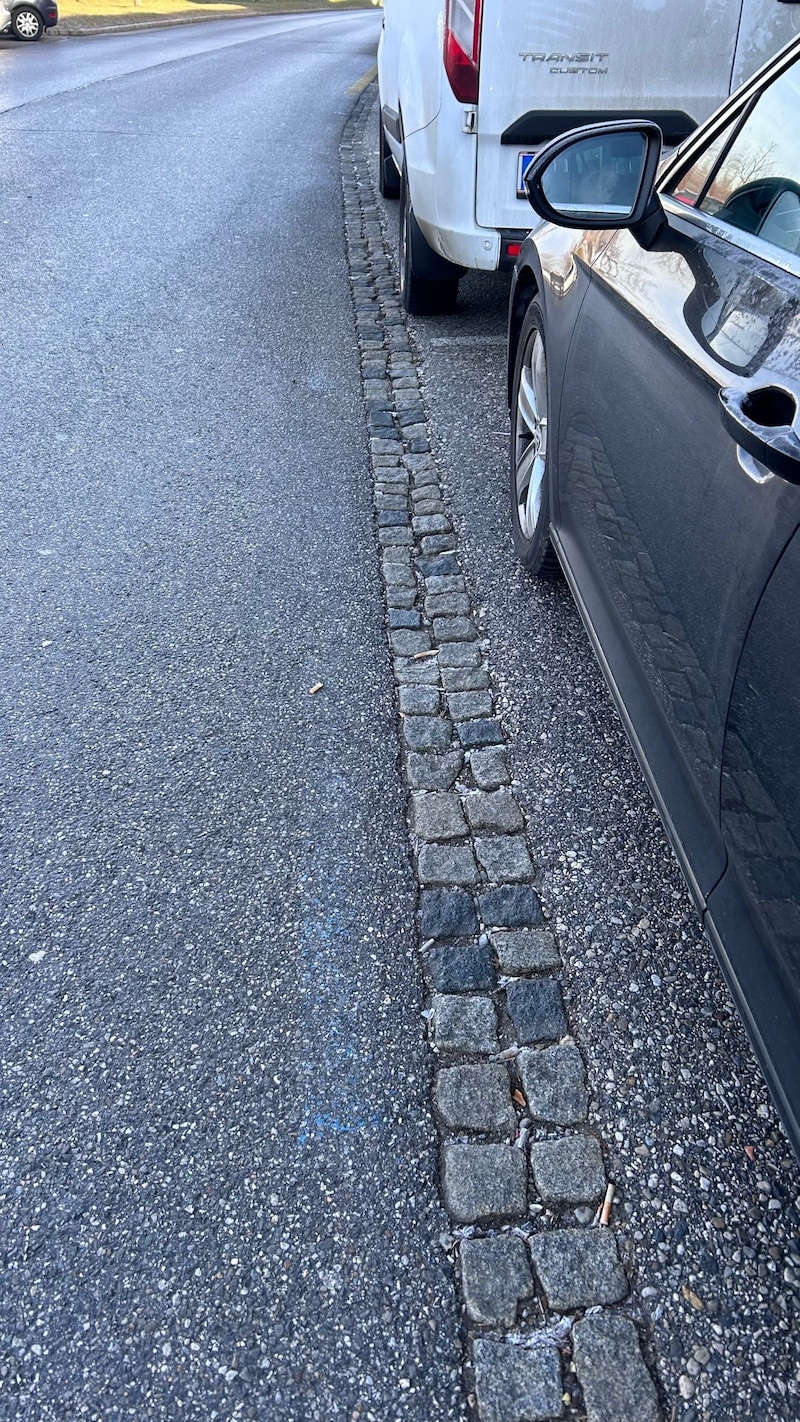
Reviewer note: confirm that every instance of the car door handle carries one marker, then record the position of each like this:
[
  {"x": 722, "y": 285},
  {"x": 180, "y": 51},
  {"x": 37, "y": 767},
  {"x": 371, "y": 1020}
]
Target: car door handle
[{"x": 760, "y": 421}]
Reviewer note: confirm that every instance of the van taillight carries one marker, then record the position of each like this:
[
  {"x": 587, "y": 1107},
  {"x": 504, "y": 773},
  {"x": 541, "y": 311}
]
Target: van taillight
[{"x": 462, "y": 48}]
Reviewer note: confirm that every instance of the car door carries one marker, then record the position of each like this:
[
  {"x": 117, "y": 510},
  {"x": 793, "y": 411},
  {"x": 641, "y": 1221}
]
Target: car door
[{"x": 668, "y": 527}]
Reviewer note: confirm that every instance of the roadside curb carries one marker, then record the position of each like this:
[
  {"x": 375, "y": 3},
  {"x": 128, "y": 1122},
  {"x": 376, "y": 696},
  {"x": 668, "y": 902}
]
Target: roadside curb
[{"x": 550, "y": 1328}]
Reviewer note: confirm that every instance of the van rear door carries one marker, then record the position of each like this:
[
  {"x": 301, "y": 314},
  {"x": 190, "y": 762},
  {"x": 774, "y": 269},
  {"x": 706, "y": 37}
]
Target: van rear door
[
  {"x": 766, "y": 26},
  {"x": 546, "y": 67}
]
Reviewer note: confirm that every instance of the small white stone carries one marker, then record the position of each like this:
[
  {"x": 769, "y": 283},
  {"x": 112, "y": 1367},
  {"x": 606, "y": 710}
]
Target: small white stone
[{"x": 685, "y": 1387}]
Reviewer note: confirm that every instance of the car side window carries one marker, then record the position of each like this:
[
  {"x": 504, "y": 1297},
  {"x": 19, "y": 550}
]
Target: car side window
[
  {"x": 692, "y": 184},
  {"x": 756, "y": 185}
]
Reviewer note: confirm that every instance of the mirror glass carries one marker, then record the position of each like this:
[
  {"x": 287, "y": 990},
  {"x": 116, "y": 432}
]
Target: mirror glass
[{"x": 597, "y": 175}]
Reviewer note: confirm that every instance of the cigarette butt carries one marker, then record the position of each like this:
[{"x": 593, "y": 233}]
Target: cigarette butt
[
  {"x": 318, "y": 685},
  {"x": 421, "y": 656},
  {"x": 605, "y": 1213}
]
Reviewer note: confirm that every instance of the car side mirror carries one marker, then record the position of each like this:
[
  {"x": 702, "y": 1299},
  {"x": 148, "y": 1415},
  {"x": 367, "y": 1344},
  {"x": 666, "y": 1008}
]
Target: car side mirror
[{"x": 597, "y": 177}]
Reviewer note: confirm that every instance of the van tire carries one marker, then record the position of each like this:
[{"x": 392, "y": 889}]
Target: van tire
[
  {"x": 434, "y": 293},
  {"x": 530, "y": 401},
  {"x": 388, "y": 176},
  {"x": 27, "y": 24}
]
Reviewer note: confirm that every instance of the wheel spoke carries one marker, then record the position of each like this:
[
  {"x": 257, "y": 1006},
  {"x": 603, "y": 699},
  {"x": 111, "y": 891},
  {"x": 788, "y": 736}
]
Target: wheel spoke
[
  {"x": 533, "y": 502},
  {"x": 539, "y": 377},
  {"x": 524, "y": 472},
  {"x": 526, "y": 401}
]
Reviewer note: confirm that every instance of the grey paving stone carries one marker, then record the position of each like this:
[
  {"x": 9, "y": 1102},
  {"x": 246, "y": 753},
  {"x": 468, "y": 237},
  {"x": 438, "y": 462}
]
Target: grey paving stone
[
  {"x": 404, "y": 617},
  {"x": 437, "y": 542},
  {"x": 516, "y": 1384},
  {"x": 400, "y": 597},
  {"x": 466, "y": 704},
  {"x": 449, "y": 604},
  {"x": 384, "y": 446},
  {"x": 461, "y": 967},
  {"x": 536, "y": 1010},
  {"x": 405, "y": 644},
  {"x": 570, "y": 1169},
  {"x": 444, "y": 585},
  {"x": 416, "y": 463},
  {"x": 398, "y": 576},
  {"x": 526, "y": 950},
  {"x": 578, "y": 1268},
  {"x": 464, "y": 1024},
  {"x": 429, "y": 506},
  {"x": 433, "y": 771},
  {"x": 431, "y": 523},
  {"x": 490, "y": 767},
  {"x": 495, "y": 811},
  {"x": 483, "y": 731},
  {"x": 446, "y": 864},
  {"x": 495, "y": 1277},
  {"x": 419, "y": 701},
  {"x": 446, "y": 913},
  {"x": 438, "y": 816},
  {"x": 476, "y": 1097},
  {"x": 385, "y": 502},
  {"x": 392, "y": 518},
  {"x": 512, "y": 906},
  {"x": 483, "y": 1182},
  {"x": 465, "y": 678},
  {"x": 395, "y": 537},
  {"x": 454, "y": 629},
  {"x": 505, "y": 858},
  {"x": 460, "y": 654},
  {"x": 426, "y": 732},
  {"x": 411, "y": 673},
  {"x": 616, "y": 1384},
  {"x": 554, "y": 1083}
]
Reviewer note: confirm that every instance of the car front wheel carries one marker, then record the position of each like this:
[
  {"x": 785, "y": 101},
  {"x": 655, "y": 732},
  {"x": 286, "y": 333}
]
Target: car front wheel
[
  {"x": 530, "y": 493},
  {"x": 26, "y": 24}
]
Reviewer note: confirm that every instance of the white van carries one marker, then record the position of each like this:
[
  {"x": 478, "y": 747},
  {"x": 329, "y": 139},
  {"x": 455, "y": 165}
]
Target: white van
[{"x": 469, "y": 89}]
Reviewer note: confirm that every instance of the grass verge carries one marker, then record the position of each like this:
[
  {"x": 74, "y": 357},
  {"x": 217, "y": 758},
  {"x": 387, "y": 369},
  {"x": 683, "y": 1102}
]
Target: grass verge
[{"x": 85, "y": 16}]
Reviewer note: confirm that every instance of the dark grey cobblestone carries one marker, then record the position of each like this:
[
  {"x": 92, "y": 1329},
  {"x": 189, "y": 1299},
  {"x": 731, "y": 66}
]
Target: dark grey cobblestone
[
  {"x": 447, "y": 604},
  {"x": 447, "y": 913},
  {"x": 490, "y": 768},
  {"x": 536, "y": 1010},
  {"x": 476, "y": 1097},
  {"x": 454, "y": 629},
  {"x": 569, "y": 1169},
  {"x": 401, "y": 597},
  {"x": 405, "y": 644},
  {"x": 464, "y": 1024},
  {"x": 578, "y": 1268},
  {"x": 461, "y": 967},
  {"x": 495, "y": 1277},
  {"x": 616, "y": 1384},
  {"x": 404, "y": 617},
  {"x": 483, "y": 732},
  {"x": 483, "y": 1182},
  {"x": 516, "y": 1384},
  {"x": 512, "y": 906}
]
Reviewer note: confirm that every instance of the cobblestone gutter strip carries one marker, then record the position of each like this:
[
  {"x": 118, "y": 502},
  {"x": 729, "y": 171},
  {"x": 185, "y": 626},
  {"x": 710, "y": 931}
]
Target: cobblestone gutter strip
[{"x": 549, "y": 1325}]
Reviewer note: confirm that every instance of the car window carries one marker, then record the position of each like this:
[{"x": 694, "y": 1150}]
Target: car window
[{"x": 756, "y": 187}]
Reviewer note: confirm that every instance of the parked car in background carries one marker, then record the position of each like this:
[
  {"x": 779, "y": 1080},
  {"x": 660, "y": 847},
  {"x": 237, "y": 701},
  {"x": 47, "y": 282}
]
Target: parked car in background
[
  {"x": 471, "y": 89},
  {"x": 27, "y": 19},
  {"x": 654, "y": 376}
]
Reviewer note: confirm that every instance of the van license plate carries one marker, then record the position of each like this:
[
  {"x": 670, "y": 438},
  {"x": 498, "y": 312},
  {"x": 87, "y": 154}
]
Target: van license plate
[{"x": 523, "y": 164}]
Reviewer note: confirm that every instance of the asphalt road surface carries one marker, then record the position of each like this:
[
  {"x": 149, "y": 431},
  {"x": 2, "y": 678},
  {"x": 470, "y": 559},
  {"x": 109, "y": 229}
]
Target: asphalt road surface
[{"x": 218, "y": 1170}]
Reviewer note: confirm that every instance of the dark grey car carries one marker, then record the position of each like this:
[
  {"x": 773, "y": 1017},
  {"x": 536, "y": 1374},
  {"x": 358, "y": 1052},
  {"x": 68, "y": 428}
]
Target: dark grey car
[{"x": 654, "y": 378}]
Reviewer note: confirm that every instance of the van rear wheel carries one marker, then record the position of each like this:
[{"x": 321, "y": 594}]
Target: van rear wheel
[
  {"x": 428, "y": 283},
  {"x": 388, "y": 176}
]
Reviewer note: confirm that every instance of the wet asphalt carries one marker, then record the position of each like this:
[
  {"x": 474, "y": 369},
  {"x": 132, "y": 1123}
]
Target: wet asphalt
[{"x": 218, "y": 1175}]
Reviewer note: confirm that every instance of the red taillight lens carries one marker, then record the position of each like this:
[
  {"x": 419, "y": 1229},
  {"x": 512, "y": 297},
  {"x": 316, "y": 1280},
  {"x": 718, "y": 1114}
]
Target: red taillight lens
[{"x": 462, "y": 48}]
